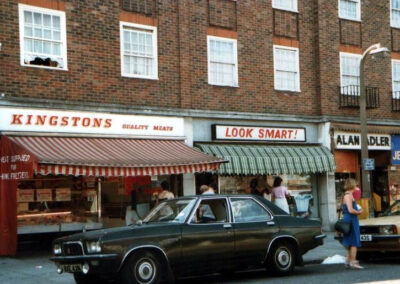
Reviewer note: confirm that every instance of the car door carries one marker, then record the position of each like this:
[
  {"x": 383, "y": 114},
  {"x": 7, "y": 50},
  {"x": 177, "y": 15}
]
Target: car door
[
  {"x": 207, "y": 238},
  {"x": 253, "y": 227}
]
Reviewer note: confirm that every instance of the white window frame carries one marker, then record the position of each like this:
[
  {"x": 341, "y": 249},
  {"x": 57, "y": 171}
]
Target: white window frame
[
  {"x": 235, "y": 56},
  {"x": 153, "y": 30},
  {"x": 61, "y": 14},
  {"x": 340, "y": 63},
  {"x": 395, "y": 61},
  {"x": 358, "y": 18},
  {"x": 275, "y": 5},
  {"x": 391, "y": 17},
  {"x": 297, "y": 89}
]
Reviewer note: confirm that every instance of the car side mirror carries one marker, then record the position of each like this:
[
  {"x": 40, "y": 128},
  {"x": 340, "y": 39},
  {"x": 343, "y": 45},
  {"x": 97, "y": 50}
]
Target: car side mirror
[{"x": 139, "y": 222}]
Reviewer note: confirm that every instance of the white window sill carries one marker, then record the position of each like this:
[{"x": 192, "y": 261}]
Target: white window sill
[
  {"x": 287, "y": 90},
  {"x": 222, "y": 85},
  {"x": 350, "y": 19},
  {"x": 286, "y": 10},
  {"x": 140, "y": 77},
  {"x": 44, "y": 67},
  {"x": 395, "y": 27}
]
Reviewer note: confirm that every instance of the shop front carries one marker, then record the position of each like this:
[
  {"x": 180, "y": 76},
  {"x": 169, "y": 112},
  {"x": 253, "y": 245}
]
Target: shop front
[
  {"x": 70, "y": 171},
  {"x": 347, "y": 152},
  {"x": 265, "y": 152}
]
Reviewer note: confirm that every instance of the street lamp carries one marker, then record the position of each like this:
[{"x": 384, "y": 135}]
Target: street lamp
[{"x": 375, "y": 51}]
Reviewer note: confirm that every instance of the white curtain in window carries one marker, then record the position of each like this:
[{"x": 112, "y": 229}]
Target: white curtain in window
[
  {"x": 286, "y": 4},
  {"x": 286, "y": 69},
  {"x": 138, "y": 52},
  {"x": 396, "y": 79},
  {"x": 42, "y": 37},
  {"x": 222, "y": 62},
  {"x": 349, "y": 9},
  {"x": 350, "y": 69},
  {"x": 395, "y": 13}
]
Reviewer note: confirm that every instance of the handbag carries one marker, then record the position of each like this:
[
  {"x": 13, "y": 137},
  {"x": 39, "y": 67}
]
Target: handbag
[{"x": 342, "y": 226}]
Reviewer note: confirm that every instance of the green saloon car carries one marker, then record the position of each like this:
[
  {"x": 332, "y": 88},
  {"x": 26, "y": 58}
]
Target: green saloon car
[{"x": 189, "y": 236}]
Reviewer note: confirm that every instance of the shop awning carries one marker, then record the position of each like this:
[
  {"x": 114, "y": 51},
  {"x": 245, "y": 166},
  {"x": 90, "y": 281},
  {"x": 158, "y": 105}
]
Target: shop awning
[
  {"x": 272, "y": 160},
  {"x": 114, "y": 156}
]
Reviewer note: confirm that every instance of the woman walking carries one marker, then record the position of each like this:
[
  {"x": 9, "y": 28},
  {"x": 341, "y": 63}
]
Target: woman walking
[
  {"x": 279, "y": 193},
  {"x": 351, "y": 210}
]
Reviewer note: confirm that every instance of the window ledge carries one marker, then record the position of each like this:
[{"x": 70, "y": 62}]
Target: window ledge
[
  {"x": 288, "y": 91},
  {"x": 350, "y": 19},
  {"x": 221, "y": 85},
  {"x": 44, "y": 67},
  {"x": 139, "y": 77},
  {"x": 286, "y": 10}
]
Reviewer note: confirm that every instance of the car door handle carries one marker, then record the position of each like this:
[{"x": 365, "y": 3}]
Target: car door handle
[
  {"x": 227, "y": 226},
  {"x": 270, "y": 223}
]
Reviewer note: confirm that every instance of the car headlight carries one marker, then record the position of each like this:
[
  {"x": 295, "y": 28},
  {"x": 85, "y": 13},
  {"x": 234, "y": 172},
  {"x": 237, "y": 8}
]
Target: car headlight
[
  {"x": 387, "y": 230},
  {"x": 57, "y": 249},
  {"x": 93, "y": 246}
]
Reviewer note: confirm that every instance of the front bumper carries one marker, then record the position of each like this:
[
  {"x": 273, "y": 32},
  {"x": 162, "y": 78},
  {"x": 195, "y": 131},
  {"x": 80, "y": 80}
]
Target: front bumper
[
  {"x": 383, "y": 243},
  {"x": 98, "y": 263}
]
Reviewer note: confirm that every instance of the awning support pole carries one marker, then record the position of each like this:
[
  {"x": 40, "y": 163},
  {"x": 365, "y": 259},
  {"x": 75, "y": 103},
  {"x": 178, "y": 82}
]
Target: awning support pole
[{"x": 99, "y": 198}]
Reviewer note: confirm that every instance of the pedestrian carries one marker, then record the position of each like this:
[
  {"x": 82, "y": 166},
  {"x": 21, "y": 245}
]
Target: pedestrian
[
  {"x": 165, "y": 193},
  {"x": 357, "y": 193},
  {"x": 254, "y": 187},
  {"x": 211, "y": 188},
  {"x": 267, "y": 192},
  {"x": 351, "y": 210},
  {"x": 279, "y": 194}
]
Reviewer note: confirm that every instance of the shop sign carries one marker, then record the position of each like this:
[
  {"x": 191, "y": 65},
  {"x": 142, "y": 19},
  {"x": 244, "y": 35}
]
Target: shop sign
[
  {"x": 395, "y": 149},
  {"x": 346, "y": 140},
  {"x": 44, "y": 194},
  {"x": 25, "y": 195},
  {"x": 369, "y": 164},
  {"x": 63, "y": 194},
  {"x": 257, "y": 133},
  {"x": 43, "y": 120}
]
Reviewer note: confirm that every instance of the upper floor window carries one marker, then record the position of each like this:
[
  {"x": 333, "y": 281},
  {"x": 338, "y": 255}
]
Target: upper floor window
[
  {"x": 396, "y": 78},
  {"x": 395, "y": 13},
  {"x": 42, "y": 37},
  {"x": 138, "y": 51},
  {"x": 289, "y": 5},
  {"x": 350, "y": 73},
  {"x": 350, "y": 9},
  {"x": 222, "y": 61},
  {"x": 286, "y": 68}
]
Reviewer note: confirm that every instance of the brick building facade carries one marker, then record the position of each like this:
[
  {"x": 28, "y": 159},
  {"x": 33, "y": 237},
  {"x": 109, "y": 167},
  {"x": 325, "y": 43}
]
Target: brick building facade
[{"x": 91, "y": 78}]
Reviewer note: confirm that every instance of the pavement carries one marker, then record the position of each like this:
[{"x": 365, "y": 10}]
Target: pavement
[
  {"x": 330, "y": 248},
  {"x": 33, "y": 266}
]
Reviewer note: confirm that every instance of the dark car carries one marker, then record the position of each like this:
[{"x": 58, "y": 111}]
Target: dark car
[{"x": 191, "y": 236}]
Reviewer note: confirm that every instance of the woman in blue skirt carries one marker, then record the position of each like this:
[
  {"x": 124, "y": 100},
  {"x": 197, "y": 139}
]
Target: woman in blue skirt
[{"x": 351, "y": 210}]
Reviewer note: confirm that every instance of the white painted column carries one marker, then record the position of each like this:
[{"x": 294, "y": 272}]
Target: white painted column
[
  {"x": 326, "y": 184},
  {"x": 189, "y": 182}
]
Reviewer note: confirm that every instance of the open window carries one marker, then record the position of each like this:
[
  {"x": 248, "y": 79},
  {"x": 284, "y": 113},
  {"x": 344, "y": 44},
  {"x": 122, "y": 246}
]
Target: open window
[{"x": 211, "y": 211}]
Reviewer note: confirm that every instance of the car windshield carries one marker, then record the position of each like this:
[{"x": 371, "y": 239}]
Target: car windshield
[
  {"x": 175, "y": 210},
  {"x": 393, "y": 210}
]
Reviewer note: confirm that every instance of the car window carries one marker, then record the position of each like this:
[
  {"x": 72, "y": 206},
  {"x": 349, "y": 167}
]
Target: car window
[
  {"x": 210, "y": 211},
  {"x": 175, "y": 210},
  {"x": 395, "y": 209},
  {"x": 248, "y": 210}
]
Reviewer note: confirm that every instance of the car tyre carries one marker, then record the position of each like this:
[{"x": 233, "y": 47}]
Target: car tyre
[
  {"x": 281, "y": 259},
  {"x": 142, "y": 268},
  {"x": 81, "y": 278}
]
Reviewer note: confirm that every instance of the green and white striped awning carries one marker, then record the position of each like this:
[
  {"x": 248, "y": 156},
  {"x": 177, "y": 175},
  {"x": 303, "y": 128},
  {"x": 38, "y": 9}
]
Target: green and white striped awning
[{"x": 270, "y": 160}]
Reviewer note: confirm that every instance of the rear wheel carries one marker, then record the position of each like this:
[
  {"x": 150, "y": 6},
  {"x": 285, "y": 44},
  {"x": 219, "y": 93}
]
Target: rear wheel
[
  {"x": 281, "y": 259},
  {"x": 142, "y": 268}
]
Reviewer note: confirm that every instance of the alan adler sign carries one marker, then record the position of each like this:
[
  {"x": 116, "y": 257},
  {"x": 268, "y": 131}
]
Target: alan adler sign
[
  {"x": 345, "y": 140},
  {"x": 230, "y": 132}
]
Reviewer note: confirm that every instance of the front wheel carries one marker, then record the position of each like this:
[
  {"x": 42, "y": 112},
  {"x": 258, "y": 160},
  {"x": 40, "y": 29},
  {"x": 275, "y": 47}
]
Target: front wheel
[
  {"x": 142, "y": 268},
  {"x": 281, "y": 259}
]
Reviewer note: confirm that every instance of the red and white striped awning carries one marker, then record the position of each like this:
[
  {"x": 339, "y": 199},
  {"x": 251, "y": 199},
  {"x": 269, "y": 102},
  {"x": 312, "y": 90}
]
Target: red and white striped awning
[{"x": 114, "y": 156}]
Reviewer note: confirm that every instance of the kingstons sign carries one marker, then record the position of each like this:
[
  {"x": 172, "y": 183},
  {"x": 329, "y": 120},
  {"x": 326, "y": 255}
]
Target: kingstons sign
[
  {"x": 40, "y": 120},
  {"x": 346, "y": 140}
]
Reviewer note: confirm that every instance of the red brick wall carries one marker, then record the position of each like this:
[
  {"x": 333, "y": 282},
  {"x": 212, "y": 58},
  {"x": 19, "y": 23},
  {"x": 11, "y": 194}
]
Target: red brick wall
[{"x": 94, "y": 73}]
